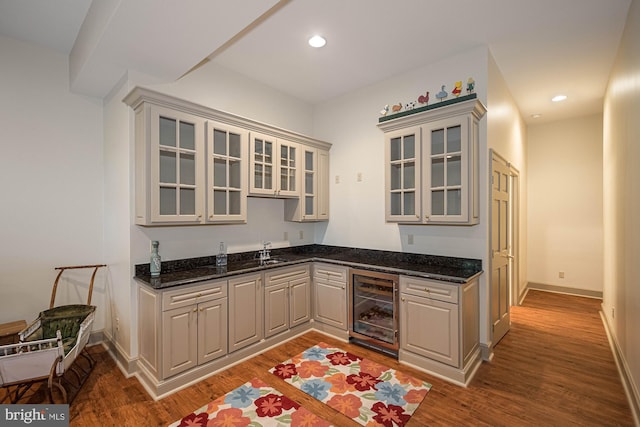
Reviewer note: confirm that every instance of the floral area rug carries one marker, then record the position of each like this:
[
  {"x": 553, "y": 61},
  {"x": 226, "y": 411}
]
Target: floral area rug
[
  {"x": 369, "y": 393},
  {"x": 252, "y": 404}
]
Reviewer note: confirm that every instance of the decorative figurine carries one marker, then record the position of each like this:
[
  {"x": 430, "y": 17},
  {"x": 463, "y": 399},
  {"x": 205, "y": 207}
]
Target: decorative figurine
[
  {"x": 456, "y": 90},
  {"x": 442, "y": 94},
  {"x": 385, "y": 110},
  {"x": 424, "y": 99},
  {"x": 471, "y": 84},
  {"x": 155, "y": 262},
  {"x": 410, "y": 106},
  {"x": 397, "y": 107}
]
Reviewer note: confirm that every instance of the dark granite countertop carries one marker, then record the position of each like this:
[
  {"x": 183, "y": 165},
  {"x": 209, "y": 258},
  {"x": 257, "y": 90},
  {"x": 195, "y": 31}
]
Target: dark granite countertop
[{"x": 193, "y": 270}]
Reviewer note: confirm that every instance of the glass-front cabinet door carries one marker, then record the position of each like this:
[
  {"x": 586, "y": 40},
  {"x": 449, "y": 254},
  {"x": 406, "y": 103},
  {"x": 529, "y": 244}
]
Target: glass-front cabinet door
[
  {"x": 288, "y": 169},
  {"x": 262, "y": 155},
  {"x": 445, "y": 186},
  {"x": 274, "y": 166},
  {"x": 177, "y": 168},
  {"x": 310, "y": 195},
  {"x": 227, "y": 171},
  {"x": 402, "y": 152}
]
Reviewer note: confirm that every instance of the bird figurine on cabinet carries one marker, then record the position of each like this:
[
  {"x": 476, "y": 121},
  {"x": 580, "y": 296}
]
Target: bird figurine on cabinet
[
  {"x": 457, "y": 89},
  {"x": 385, "y": 110},
  {"x": 397, "y": 107},
  {"x": 442, "y": 94},
  {"x": 424, "y": 99},
  {"x": 471, "y": 84}
]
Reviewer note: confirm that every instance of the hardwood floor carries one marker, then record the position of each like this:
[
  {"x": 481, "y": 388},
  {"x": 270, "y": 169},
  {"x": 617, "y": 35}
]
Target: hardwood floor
[{"x": 554, "y": 368}]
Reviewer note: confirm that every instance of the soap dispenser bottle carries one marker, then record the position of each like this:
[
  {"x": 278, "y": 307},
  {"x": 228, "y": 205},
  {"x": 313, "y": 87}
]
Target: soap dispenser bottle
[
  {"x": 221, "y": 258},
  {"x": 155, "y": 261}
]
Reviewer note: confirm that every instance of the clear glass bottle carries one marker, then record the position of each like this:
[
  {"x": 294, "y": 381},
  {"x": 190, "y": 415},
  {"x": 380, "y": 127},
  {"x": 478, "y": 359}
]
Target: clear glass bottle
[
  {"x": 221, "y": 258},
  {"x": 155, "y": 261}
]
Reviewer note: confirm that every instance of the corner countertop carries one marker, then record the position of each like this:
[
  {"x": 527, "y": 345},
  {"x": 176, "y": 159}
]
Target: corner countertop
[{"x": 194, "y": 270}]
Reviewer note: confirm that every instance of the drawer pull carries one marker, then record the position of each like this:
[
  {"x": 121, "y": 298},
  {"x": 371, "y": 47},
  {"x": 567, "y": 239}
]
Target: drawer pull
[{"x": 427, "y": 290}]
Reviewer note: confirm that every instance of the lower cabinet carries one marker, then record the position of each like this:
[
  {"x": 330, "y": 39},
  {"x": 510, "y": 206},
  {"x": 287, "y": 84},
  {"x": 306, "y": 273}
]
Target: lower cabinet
[
  {"x": 182, "y": 328},
  {"x": 330, "y": 295},
  {"x": 287, "y": 299},
  {"x": 195, "y": 334},
  {"x": 439, "y": 328},
  {"x": 245, "y": 310}
]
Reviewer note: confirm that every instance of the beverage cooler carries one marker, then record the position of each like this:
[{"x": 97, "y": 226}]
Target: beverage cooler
[{"x": 373, "y": 310}]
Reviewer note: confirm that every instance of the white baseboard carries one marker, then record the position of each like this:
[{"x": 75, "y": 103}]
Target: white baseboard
[
  {"x": 630, "y": 388},
  {"x": 564, "y": 290}
]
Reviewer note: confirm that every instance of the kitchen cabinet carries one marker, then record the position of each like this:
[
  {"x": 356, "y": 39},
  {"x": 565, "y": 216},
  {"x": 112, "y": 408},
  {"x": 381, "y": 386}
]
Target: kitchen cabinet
[
  {"x": 287, "y": 298},
  {"x": 169, "y": 166},
  {"x": 439, "y": 327},
  {"x": 182, "y": 328},
  {"x": 246, "y": 300},
  {"x": 226, "y": 173},
  {"x": 313, "y": 201},
  {"x": 195, "y": 165},
  {"x": 431, "y": 160},
  {"x": 330, "y": 295},
  {"x": 274, "y": 166}
]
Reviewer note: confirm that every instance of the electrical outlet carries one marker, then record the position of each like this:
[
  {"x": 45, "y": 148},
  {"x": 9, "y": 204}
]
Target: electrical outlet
[
  {"x": 301, "y": 234},
  {"x": 286, "y": 235},
  {"x": 561, "y": 274},
  {"x": 410, "y": 239},
  {"x": 337, "y": 179},
  {"x": 359, "y": 177}
]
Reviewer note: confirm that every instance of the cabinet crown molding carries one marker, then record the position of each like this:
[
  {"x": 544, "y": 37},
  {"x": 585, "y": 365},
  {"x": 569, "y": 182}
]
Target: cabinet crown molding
[
  {"x": 471, "y": 106},
  {"x": 139, "y": 95}
]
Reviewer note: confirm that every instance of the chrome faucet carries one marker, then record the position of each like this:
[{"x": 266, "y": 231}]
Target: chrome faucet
[{"x": 265, "y": 252}]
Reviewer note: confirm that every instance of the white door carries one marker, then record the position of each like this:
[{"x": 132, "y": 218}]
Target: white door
[{"x": 500, "y": 265}]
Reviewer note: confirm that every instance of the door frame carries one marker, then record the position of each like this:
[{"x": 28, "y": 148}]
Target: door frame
[{"x": 513, "y": 234}]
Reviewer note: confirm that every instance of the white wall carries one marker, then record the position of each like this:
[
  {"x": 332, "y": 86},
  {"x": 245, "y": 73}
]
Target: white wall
[
  {"x": 621, "y": 299},
  {"x": 52, "y": 183},
  {"x": 357, "y": 207},
  {"x": 565, "y": 203},
  {"x": 118, "y": 201},
  {"x": 350, "y": 123},
  {"x": 507, "y": 136}
]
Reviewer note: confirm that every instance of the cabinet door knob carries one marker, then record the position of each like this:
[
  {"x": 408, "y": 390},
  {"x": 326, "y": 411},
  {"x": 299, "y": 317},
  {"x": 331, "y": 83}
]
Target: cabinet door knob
[
  {"x": 402, "y": 299},
  {"x": 195, "y": 310}
]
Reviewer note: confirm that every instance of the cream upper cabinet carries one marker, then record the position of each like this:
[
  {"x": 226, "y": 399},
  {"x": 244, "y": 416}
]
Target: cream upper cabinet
[
  {"x": 196, "y": 165},
  {"x": 274, "y": 166},
  {"x": 169, "y": 166},
  {"x": 226, "y": 173},
  {"x": 432, "y": 165},
  {"x": 313, "y": 201}
]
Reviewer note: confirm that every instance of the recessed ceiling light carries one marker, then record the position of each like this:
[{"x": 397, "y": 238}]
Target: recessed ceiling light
[
  {"x": 317, "y": 41},
  {"x": 559, "y": 98},
  {"x": 536, "y": 116}
]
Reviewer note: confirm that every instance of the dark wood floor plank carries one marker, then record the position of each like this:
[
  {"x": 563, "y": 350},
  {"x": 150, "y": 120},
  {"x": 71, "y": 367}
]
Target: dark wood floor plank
[{"x": 553, "y": 368}]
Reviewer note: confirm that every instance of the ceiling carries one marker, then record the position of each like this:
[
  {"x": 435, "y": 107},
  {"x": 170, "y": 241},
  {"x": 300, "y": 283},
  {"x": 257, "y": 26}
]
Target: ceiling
[{"x": 542, "y": 47}]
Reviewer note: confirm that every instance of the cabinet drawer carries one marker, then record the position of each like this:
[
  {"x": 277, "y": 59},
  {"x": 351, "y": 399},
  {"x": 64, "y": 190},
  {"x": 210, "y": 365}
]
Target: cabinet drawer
[
  {"x": 429, "y": 289},
  {"x": 330, "y": 272},
  {"x": 194, "y": 294},
  {"x": 285, "y": 274}
]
